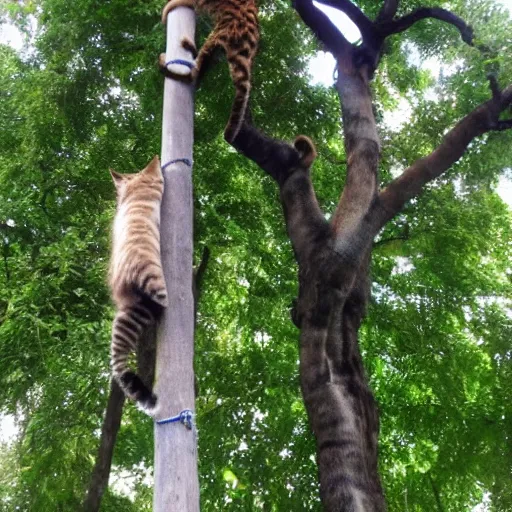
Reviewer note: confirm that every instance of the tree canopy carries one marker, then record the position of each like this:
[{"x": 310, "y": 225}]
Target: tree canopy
[{"x": 87, "y": 96}]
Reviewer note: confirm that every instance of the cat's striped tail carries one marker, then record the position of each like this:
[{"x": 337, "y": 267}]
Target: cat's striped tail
[
  {"x": 129, "y": 324},
  {"x": 241, "y": 74}
]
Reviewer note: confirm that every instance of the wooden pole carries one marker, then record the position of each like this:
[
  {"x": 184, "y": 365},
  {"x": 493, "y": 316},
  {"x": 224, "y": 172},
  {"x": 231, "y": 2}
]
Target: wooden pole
[{"x": 176, "y": 479}]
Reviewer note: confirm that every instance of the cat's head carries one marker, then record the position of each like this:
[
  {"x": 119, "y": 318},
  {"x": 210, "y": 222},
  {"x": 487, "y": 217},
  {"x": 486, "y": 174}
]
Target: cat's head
[{"x": 127, "y": 184}]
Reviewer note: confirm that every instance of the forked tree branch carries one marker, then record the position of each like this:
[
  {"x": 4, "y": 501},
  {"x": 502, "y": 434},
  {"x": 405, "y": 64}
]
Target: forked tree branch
[
  {"x": 402, "y": 24},
  {"x": 364, "y": 24},
  {"x": 289, "y": 166},
  {"x": 373, "y": 33},
  {"x": 483, "y": 119},
  {"x": 322, "y": 27}
]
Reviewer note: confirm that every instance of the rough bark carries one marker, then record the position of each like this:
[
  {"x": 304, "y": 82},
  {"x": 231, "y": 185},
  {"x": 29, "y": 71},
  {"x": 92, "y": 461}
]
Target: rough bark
[
  {"x": 333, "y": 257},
  {"x": 333, "y": 291}
]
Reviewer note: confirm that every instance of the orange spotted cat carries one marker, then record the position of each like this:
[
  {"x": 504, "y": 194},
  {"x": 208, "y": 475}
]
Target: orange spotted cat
[{"x": 237, "y": 31}]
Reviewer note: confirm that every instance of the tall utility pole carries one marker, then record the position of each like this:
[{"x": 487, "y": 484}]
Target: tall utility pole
[{"x": 176, "y": 478}]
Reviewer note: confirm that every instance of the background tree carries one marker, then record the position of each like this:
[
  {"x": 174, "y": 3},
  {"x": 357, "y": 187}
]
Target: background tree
[{"x": 435, "y": 342}]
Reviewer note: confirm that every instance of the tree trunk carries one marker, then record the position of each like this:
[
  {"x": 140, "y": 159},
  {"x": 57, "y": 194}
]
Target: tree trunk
[
  {"x": 176, "y": 478},
  {"x": 146, "y": 351},
  {"x": 333, "y": 292},
  {"x": 333, "y": 259},
  {"x": 109, "y": 430}
]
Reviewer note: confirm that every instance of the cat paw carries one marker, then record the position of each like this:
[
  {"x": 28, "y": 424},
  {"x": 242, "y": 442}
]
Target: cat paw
[
  {"x": 160, "y": 297},
  {"x": 177, "y": 69},
  {"x": 188, "y": 44}
]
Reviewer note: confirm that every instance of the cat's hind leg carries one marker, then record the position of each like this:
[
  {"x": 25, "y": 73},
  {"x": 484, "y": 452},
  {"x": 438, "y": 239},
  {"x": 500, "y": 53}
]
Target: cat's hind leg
[
  {"x": 129, "y": 323},
  {"x": 151, "y": 284}
]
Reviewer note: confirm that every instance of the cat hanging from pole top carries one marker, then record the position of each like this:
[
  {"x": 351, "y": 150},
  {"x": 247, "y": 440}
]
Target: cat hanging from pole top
[{"x": 237, "y": 31}]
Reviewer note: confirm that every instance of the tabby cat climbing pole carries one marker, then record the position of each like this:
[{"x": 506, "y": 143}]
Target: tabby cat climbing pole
[{"x": 176, "y": 481}]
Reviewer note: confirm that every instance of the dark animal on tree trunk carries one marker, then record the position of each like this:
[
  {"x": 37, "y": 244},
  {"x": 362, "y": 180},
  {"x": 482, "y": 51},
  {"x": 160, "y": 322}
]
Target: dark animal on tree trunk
[
  {"x": 237, "y": 32},
  {"x": 136, "y": 276}
]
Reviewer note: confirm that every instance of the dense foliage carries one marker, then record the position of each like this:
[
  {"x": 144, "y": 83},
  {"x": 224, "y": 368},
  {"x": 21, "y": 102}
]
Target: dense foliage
[{"x": 87, "y": 96}]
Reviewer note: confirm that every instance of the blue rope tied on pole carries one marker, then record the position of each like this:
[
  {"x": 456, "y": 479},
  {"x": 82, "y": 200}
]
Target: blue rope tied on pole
[
  {"x": 186, "y": 161},
  {"x": 183, "y": 62},
  {"x": 186, "y": 417}
]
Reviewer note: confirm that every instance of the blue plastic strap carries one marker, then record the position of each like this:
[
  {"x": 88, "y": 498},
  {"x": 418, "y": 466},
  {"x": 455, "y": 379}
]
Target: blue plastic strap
[
  {"x": 186, "y": 417},
  {"x": 186, "y": 161},
  {"x": 187, "y": 63}
]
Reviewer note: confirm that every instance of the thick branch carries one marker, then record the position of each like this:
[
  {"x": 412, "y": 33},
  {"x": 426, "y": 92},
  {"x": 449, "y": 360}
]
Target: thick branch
[
  {"x": 341, "y": 409},
  {"x": 362, "y": 148},
  {"x": 350, "y": 57},
  {"x": 401, "y": 24},
  {"x": 483, "y": 119},
  {"x": 322, "y": 27},
  {"x": 388, "y": 11},
  {"x": 436, "y": 493},
  {"x": 363, "y": 23},
  {"x": 289, "y": 166},
  {"x": 277, "y": 158},
  {"x": 331, "y": 303}
]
